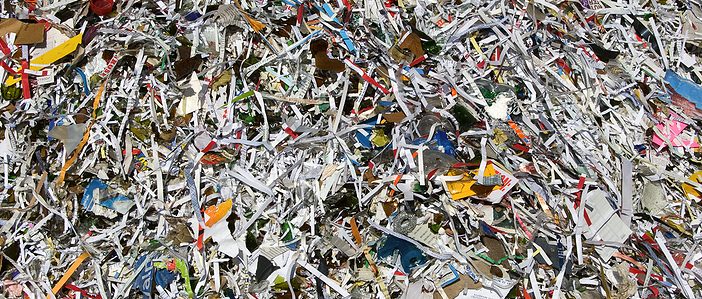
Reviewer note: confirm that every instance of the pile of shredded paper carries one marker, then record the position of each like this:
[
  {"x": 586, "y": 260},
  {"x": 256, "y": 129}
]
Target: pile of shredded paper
[{"x": 350, "y": 149}]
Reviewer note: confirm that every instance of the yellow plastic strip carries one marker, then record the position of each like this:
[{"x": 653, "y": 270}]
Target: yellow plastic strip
[
  {"x": 217, "y": 212},
  {"x": 69, "y": 273},
  {"x": 354, "y": 231},
  {"x": 255, "y": 24},
  {"x": 366, "y": 252},
  {"x": 86, "y": 136}
]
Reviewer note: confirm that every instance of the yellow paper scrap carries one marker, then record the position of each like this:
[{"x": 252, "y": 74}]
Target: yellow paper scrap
[
  {"x": 50, "y": 57},
  {"x": 467, "y": 186},
  {"x": 690, "y": 190},
  {"x": 216, "y": 213}
]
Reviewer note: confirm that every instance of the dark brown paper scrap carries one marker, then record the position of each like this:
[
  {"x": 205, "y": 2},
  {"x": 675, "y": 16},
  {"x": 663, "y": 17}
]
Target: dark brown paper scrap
[
  {"x": 30, "y": 34},
  {"x": 321, "y": 60},
  {"x": 399, "y": 54},
  {"x": 26, "y": 33},
  {"x": 414, "y": 44},
  {"x": 10, "y": 25},
  {"x": 187, "y": 66},
  {"x": 395, "y": 117},
  {"x": 455, "y": 289}
]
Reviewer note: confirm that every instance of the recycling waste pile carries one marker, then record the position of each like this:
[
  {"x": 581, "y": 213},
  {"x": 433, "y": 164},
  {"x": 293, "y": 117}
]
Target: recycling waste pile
[{"x": 350, "y": 149}]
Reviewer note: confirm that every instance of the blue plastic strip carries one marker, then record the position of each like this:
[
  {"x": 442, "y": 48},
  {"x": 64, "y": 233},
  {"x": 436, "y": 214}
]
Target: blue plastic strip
[
  {"x": 347, "y": 41},
  {"x": 86, "y": 89},
  {"x": 686, "y": 88}
]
